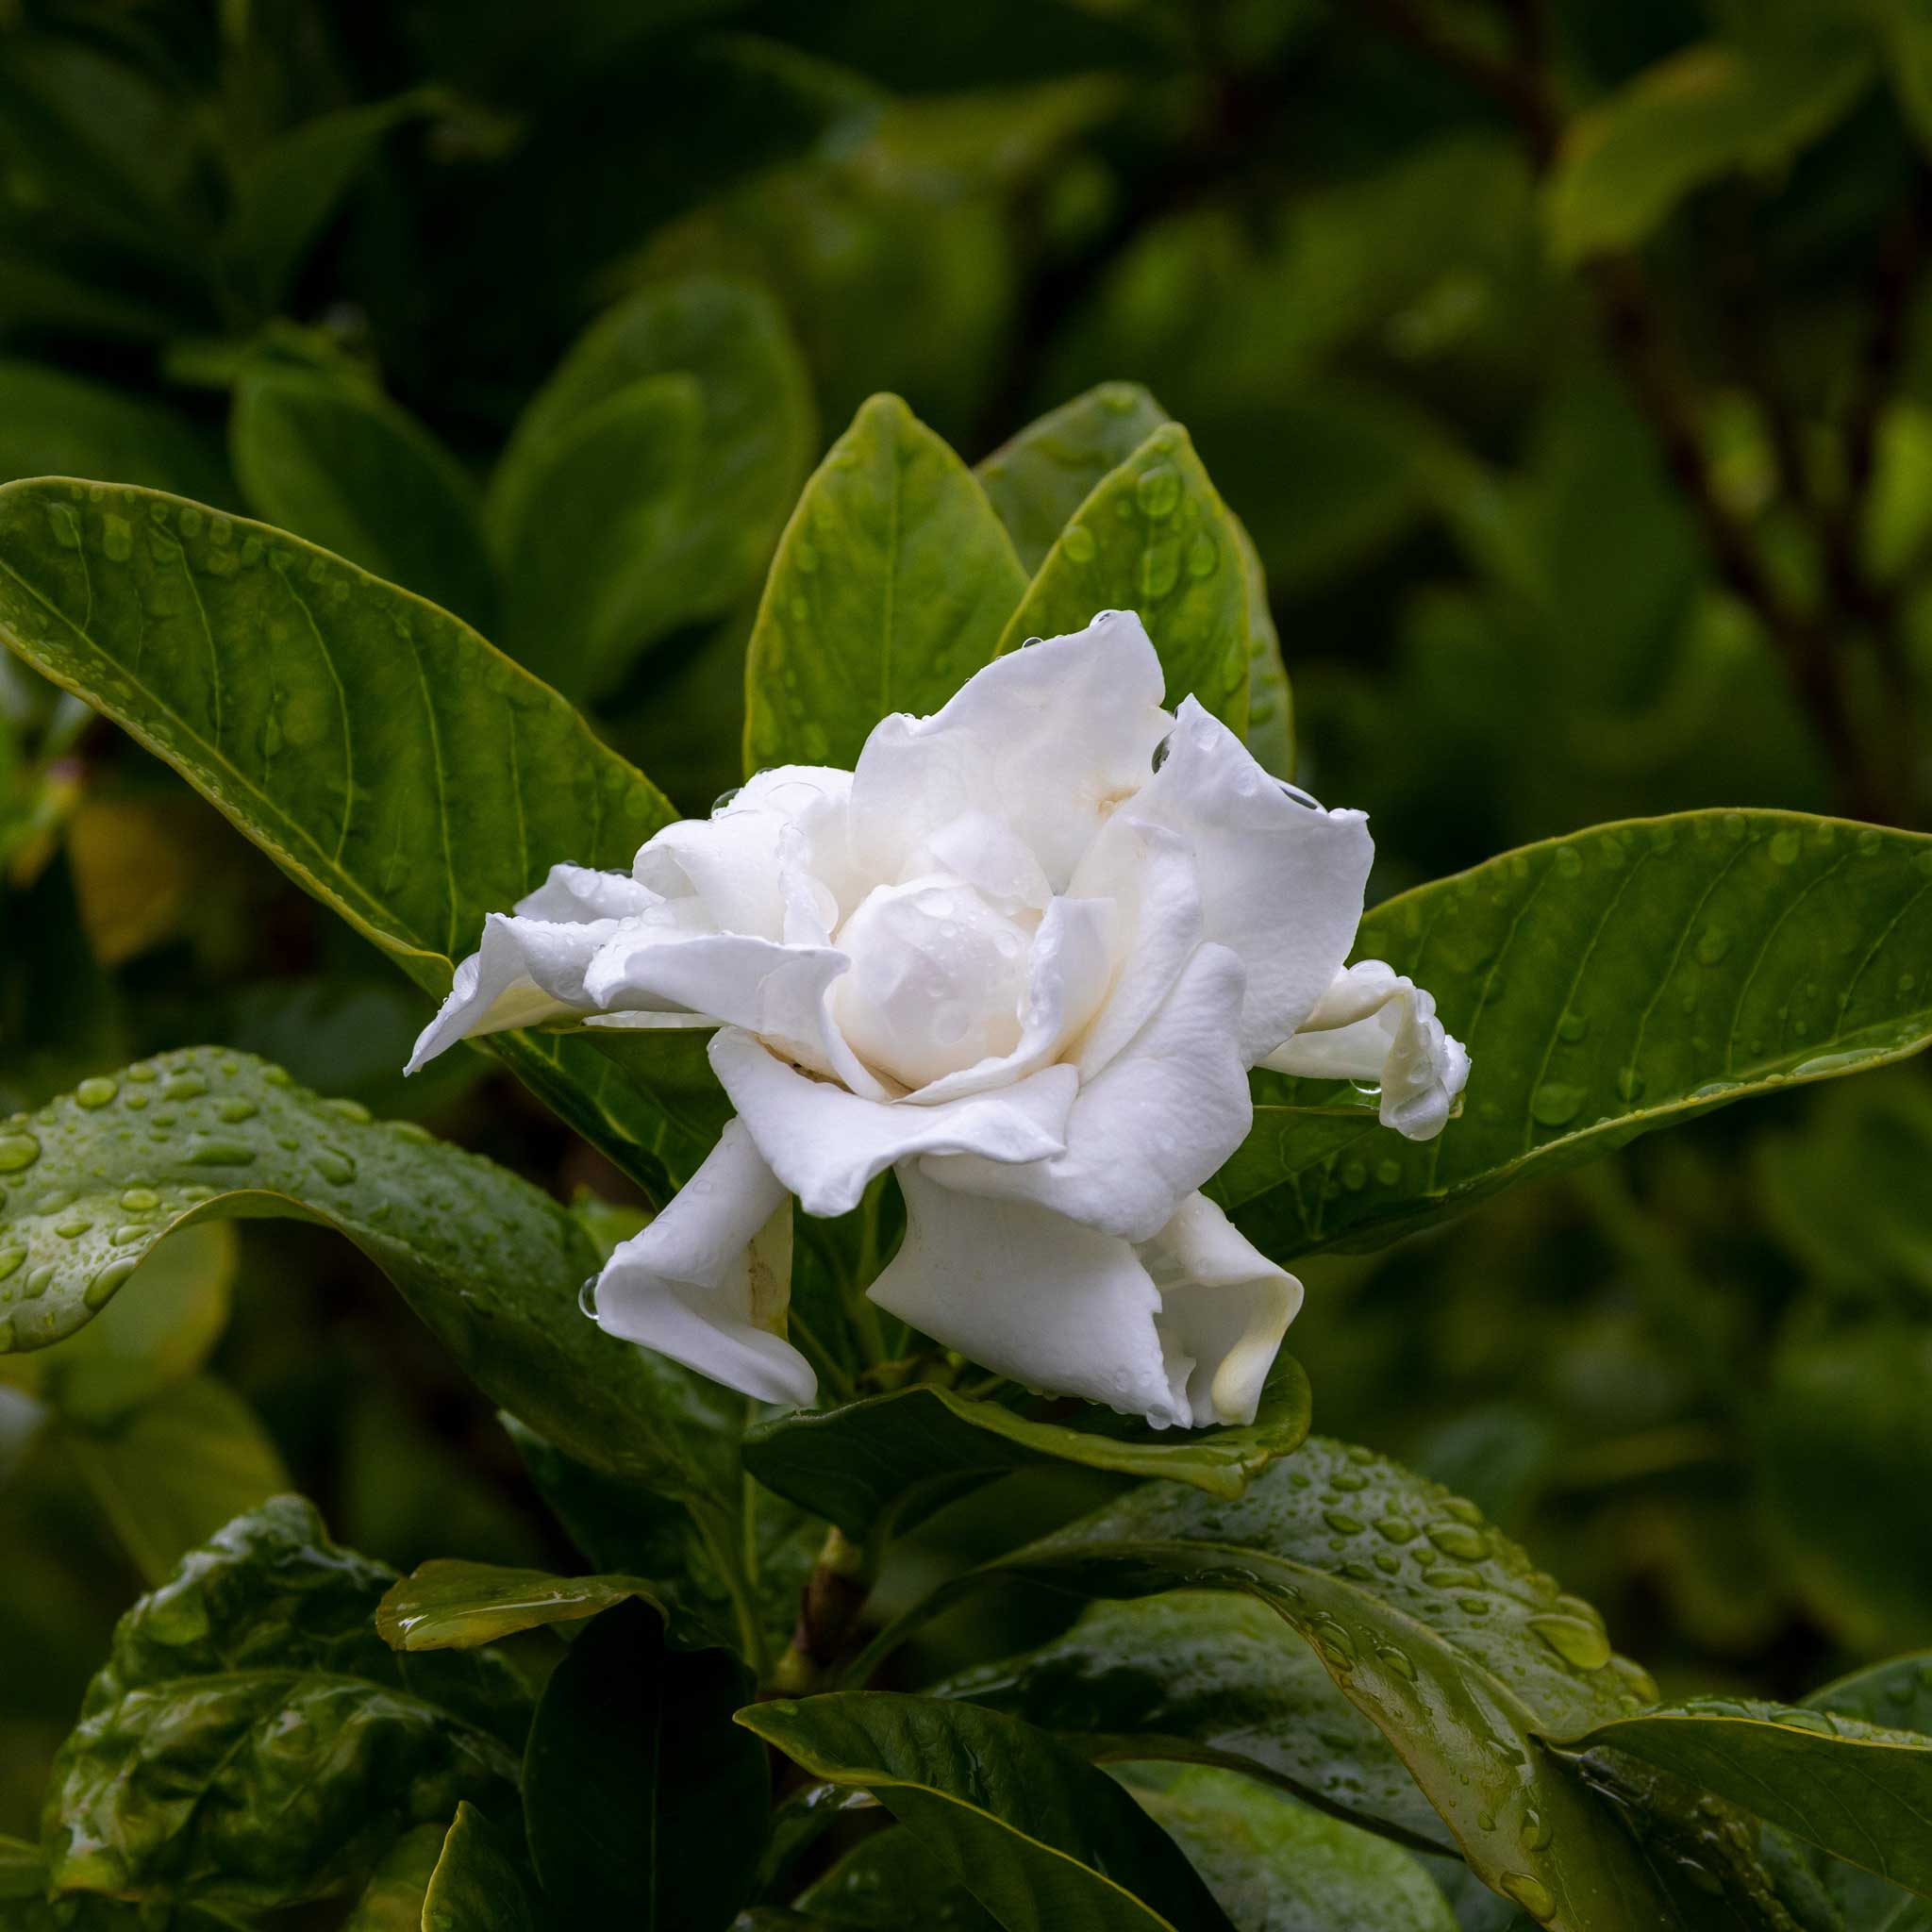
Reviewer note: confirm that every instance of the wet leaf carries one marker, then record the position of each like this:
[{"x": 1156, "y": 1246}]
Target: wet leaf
[
  {"x": 480, "y": 1884},
  {"x": 451, "y": 1603}
]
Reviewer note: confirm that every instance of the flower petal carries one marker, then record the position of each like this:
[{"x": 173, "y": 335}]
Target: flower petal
[
  {"x": 1150, "y": 1128},
  {"x": 578, "y": 892},
  {"x": 1377, "y": 1025},
  {"x": 1224, "y": 1309},
  {"x": 825, "y": 1145},
  {"x": 706, "y": 1283},
  {"x": 1032, "y": 1295},
  {"x": 526, "y": 972},
  {"x": 1049, "y": 739},
  {"x": 1181, "y": 1330},
  {"x": 1280, "y": 884}
]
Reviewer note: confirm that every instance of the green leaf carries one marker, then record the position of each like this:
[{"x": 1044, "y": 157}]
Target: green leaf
[
  {"x": 1604, "y": 985},
  {"x": 141, "y": 1344},
  {"x": 891, "y": 1880},
  {"x": 704, "y": 520},
  {"x": 1435, "y": 1627},
  {"x": 392, "y": 1900},
  {"x": 252, "y": 1741},
  {"x": 1857, "y": 1790},
  {"x": 491, "y": 1263},
  {"x": 1205, "y": 1678},
  {"x": 52, "y": 424},
  {"x": 169, "y": 1476},
  {"x": 900, "y": 1457},
  {"x": 643, "y": 1802},
  {"x": 348, "y": 470},
  {"x": 1277, "y": 1866},
  {"x": 287, "y": 194},
  {"x": 1038, "y": 481},
  {"x": 452, "y": 1604},
  {"x": 480, "y": 1884},
  {"x": 386, "y": 758},
  {"x": 1044, "y": 1841},
  {"x": 1704, "y": 112},
  {"x": 591, "y": 562},
  {"x": 890, "y": 589}
]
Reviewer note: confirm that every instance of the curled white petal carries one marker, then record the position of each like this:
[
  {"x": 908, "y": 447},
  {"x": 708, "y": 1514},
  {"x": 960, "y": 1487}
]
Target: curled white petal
[
  {"x": 1280, "y": 885},
  {"x": 708, "y": 1282},
  {"x": 1377, "y": 1025},
  {"x": 1060, "y": 1306},
  {"x": 1049, "y": 739},
  {"x": 825, "y": 1144},
  {"x": 1151, "y": 1126}
]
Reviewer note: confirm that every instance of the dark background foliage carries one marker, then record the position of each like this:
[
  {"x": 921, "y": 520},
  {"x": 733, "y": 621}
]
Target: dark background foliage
[{"x": 1566, "y": 363}]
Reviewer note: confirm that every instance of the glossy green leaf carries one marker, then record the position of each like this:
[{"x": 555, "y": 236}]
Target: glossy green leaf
[
  {"x": 1206, "y": 1677},
  {"x": 491, "y": 1263},
  {"x": 386, "y": 758},
  {"x": 1043, "y": 1840},
  {"x": 251, "y": 1739},
  {"x": 348, "y": 470},
  {"x": 1607, "y": 984},
  {"x": 890, "y": 1880},
  {"x": 452, "y": 1604},
  {"x": 643, "y": 1802},
  {"x": 590, "y": 557},
  {"x": 169, "y": 1474},
  {"x": 1277, "y": 1866},
  {"x": 890, "y": 588},
  {"x": 141, "y": 1345},
  {"x": 1437, "y": 1629},
  {"x": 53, "y": 424},
  {"x": 287, "y": 194},
  {"x": 1038, "y": 481},
  {"x": 392, "y": 1899},
  {"x": 1855, "y": 1790},
  {"x": 24, "y": 1906},
  {"x": 480, "y": 1884},
  {"x": 902, "y": 1456},
  {"x": 1704, "y": 112},
  {"x": 703, "y": 517},
  {"x": 1155, "y": 538}
]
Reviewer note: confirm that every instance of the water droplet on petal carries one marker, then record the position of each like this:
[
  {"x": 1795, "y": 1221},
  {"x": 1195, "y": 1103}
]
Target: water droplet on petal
[{"x": 97, "y": 1092}]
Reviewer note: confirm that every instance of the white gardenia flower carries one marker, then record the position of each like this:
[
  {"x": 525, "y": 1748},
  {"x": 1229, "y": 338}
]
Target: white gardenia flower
[{"x": 1023, "y": 956}]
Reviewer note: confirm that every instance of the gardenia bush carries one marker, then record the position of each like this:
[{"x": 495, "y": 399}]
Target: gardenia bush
[{"x": 989, "y": 1056}]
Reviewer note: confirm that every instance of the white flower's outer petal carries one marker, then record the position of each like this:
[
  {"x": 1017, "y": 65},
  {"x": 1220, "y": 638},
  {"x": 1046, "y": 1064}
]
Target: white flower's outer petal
[
  {"x": 731, "y": 863},
  {"x": 579, "y": 892},
  {"x": 1224, "y": 1309},
  {"x": 526, "y": 972},
  {"x": 825, "y": 1144},
  {"x": 1377, "y": 1025},
  {"x": 1069, "y": 971},
  {"x": 1148, "y": 873},
  {"x": 1280, "y": 884},
  {"x": 1032, "y": 1295},
  {"x": 708, "y": 1282},
  {"x": 1049, "y": 739},
  {"x": 1181, "y": 1331},
  {"x": 1149, "y": 1129}
]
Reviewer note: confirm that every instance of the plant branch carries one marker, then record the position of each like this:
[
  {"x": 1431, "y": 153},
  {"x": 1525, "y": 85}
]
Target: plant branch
[{"x": 829, "y": 1611}]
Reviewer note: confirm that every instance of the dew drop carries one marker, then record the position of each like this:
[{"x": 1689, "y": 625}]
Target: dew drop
[
  {"x": 350, "y": 1110},
  {"x": 1202, "y": 555},
  {"x": 1389, "y": 1172},
  {"x": 724, "y": 799},
  {"x": 1573, "y": 1028},
  {"x": 1341, "y": 1523},
  {"x": 71, "y": 1230},
  {"x": 109, "y": 1280},
  {"x": 1630, "y": 1084},
  {"x": 1077, "y": 541},
  {"x": 18, "y": 1151},
  {"x": 1569, "y": 861},
  {"x": 1532, "y": 1894},
  {"x": 218, "y": 1152},
  {"x": 97, "y": 1092},
  {"x": 1556, "y": 1102},
  {"x": 10, "y": 1258},
  {"x": 333, "y": 1166},
  {"x": 184, "y": 1087},
  {"x": 38, "y": 1280},
  {"x": 236, "y": 1109},
  {"x": 1784, "y": 848},
  {"x": 587, "y": 1297},
  {"x": 1160, "y": 751},
  {"x": 1712, "y": 944},
  {"x": 1160, "y": 568},
  {"x": 1157, "y": 490},
  {"x": 1460, "y": 1541},
  {"x": 1575, "y": 1640}
]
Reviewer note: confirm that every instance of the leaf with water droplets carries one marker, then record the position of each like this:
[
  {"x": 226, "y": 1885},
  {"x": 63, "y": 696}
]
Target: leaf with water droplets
[
  {"x": 890, "y": 589},
  {"x": 1153, "y": 537},
  {"x": 491, "y": 1263},
  {"x": 451, "y": 1603},
  {"x": 902, "y": 1456},
  {"x": 1584, "y": 976},
  {"x": 1040, "y": 1837},
  {"x": 1859, "y": 1791},
  {"x": 1459, "y": 1678},
  {"x": 390, "y": 762},
  {"x": 251, "y": 1740}
]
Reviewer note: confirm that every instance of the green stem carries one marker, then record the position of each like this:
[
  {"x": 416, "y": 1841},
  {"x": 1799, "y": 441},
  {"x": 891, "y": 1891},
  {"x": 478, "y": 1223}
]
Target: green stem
[{"x": 718, "y": 1546}]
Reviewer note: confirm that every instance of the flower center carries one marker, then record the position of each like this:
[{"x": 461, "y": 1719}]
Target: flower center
[{"x": 937, "y": 982}]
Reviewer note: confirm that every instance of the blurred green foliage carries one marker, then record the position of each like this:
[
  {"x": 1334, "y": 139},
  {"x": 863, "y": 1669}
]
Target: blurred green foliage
[{"x": 1567, "y": 365}]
